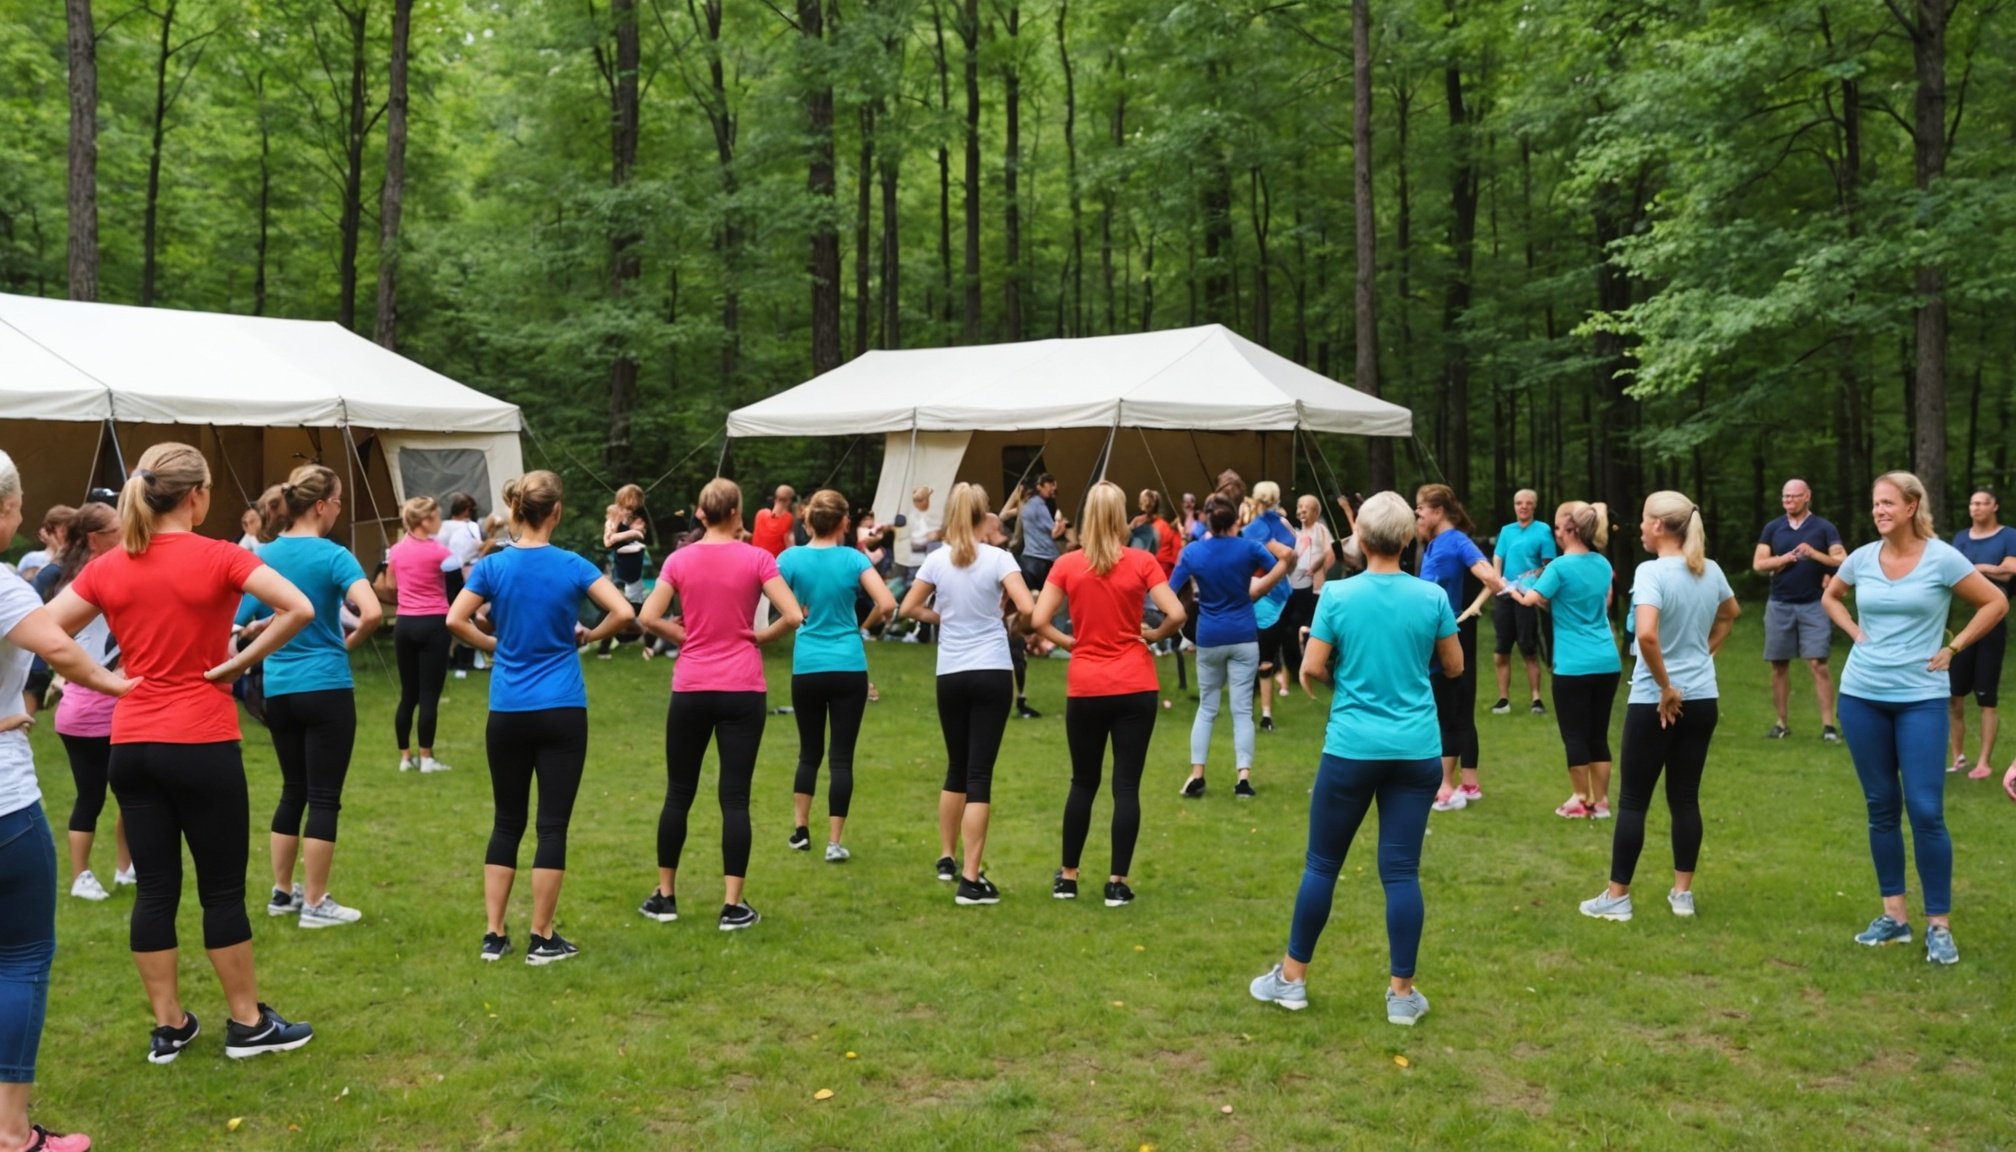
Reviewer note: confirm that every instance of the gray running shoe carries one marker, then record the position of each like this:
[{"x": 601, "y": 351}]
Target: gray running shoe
[
  {"x": 328, "y": 914},
  {"x": 1939, "y": 947},
  {"x": 1883, "y": 930},
  {"x": 1604, "y": 906},
  {"x": 1405, "y": 1010},
  {"x": 835, "y": 854},
  {"x": 1682, "y": 903},
  {"x": 1273, "y": 988}
]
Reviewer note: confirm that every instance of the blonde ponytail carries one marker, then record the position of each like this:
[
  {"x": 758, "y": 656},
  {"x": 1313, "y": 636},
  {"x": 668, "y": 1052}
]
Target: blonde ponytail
[
  {"x": 1105, "y": 529},
  {"x": 1590, "y": 523},
  {"x": 964, "y": 513},
  {"x": 1682, "y": 518},
  {"x": 164, "y": 478}
]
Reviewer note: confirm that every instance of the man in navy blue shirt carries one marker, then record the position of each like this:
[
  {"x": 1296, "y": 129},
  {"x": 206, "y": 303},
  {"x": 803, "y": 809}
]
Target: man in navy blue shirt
[
  {"x": 1799, "y": 551},
  {"x": 1977, "y": 670}
]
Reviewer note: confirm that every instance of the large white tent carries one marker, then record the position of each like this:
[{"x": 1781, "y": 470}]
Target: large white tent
[
  {"x": 85, "y": 388},
  {"x": 1165, "y": 410}
]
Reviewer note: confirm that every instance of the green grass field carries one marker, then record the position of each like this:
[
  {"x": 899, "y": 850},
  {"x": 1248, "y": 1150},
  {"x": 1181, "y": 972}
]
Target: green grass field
[{"x": 1041, "y": 1024}]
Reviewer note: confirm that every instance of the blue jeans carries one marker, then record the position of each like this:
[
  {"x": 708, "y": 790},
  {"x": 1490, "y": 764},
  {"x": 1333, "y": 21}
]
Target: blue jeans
[
  {"x": 28, "y": 942},
  {"x": 1900, "y": 755},
  {"x": 1239, "y": 664},
  {"x": 1345, "y": 791}
]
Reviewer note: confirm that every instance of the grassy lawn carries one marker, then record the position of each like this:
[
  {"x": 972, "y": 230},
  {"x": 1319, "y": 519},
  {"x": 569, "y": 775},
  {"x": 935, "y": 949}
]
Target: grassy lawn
[{"x": 1039, "y": 1024}]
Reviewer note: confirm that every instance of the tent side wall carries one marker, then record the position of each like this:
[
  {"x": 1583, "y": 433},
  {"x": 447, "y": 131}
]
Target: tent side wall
[
  {"x": 54, "y": 457},
  {"x": 439, "y": 464},
  {"x": 1171, "y": 462}
]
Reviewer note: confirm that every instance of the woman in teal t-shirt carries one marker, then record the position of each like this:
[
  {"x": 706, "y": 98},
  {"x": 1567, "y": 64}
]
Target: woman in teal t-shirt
[
  {"x": 1576, "y": 587},
  {"x": 829, "y": 666}
]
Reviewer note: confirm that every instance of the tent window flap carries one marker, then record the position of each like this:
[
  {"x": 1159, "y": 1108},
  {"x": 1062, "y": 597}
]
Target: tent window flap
[{"x": 442, "y": 472}]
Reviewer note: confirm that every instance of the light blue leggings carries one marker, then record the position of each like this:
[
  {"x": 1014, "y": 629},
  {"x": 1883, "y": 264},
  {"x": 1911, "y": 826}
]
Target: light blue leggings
[{"x": 1241, "y": 663}]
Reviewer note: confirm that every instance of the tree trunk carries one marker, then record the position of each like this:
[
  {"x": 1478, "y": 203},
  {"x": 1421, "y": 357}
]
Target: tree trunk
[
  {"x": 262, "y": 245},
  {"x": 728, "y": 232},
  {"x": 1216, "y": 210},
  {"x": 1928, "y": 449},
  {"x": 356, "y": 125},
  {"x": 969, "y": 36},
  {"x": 1365, "y": 370},
  {"x": 1456, "y": 295},
  {"x": 1614, "y": 210},
  {"x": 1148, "y": 284},
  {"x": 944, "y": 172},
  {"x": 626, "y": 263},
  {"x": 1262, "y": 208},
  {"x": 149, "y": 232},
  {"x": 1011, "y": 174},
  {"x": 393, "y": 197},
  {"x": 82, "y": 206},
  {"x": 824, "y": 265},
  {"x": 864, "y": 207},
  {"x": 1075, "y": 274},
  {"x": 1107, "y": 208}
]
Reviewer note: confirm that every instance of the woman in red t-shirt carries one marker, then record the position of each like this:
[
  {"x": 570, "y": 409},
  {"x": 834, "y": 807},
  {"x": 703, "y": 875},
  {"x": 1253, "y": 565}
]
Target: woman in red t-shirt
[
  {"x": 170, "y": 595},
  {"x": 1111, "y": 687}
]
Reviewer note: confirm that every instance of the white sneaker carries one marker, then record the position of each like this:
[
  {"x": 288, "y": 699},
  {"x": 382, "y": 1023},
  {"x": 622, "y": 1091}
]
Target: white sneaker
[
  {"x": 1682, "y": 903},
  {"x": 406, "y": 764},
  {"x": 835, "y": 853},
  {"x": 125, "y": 878},
  {"x": 86, "y": 887},
  {"x": 429, "y": 764},
  {"x": 1455, "y": 803},
  {"x": 461, "y": 674},
  {"x": 328, "y": 914}
]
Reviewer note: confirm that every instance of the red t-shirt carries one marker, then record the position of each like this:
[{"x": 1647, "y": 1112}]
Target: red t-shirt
[
  {"x": 171, "y": 607},
  {"x": 772, "y": 532},
  {"x": 1168, "y": 546},
  {"x": 1107, "y": 656}
]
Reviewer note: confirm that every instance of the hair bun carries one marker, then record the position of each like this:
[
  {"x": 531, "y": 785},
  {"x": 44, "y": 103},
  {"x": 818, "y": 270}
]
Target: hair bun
[{"x": 145, "y": 475}]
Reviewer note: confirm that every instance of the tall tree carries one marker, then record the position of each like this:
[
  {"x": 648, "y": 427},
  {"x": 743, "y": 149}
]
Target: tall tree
[
  {"x": 1072, "y": 284},
  {"x": 1463, "y": 184},
  {"x": 619, "y": 63},
  {"x": 968, "y": 28},
  {"x": 82, "y": 202},
  {"x": 712, "y": 97},
  {"x": 1926, "y": 25},
  {"x": 392, "y": 198},
  {"x": 1365, "y": 369},
  {"x": 164, "y": 100},
  {"x": 1011, "y": 175},
  {"x": 824, "y": 264}
]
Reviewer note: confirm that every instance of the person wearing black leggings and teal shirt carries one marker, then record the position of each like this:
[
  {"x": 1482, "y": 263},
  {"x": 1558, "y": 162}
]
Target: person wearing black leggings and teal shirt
[
  {"x": 311, "y": 700},
  {"x": 1893, "y": 697},
  {"x": 1381, "y": 747},
  {"x": 718, "y": 690},
  {"x": 1682, "y": 611},
  {"x": 829, "y": 666},
  {"x": 538, "y": 701},
  {"x": 1576, "y": 586}
]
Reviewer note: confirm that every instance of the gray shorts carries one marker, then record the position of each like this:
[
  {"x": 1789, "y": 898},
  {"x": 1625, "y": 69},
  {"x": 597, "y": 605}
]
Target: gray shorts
[{"x": 1796, "y": 631}]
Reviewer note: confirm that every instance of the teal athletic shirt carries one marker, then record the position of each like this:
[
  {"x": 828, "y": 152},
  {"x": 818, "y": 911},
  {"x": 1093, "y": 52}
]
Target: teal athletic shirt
[
  {"x": 1383, "y": 627},
  {"x": 315, "y": 659},
  {"x": 825, "y": 579},
  {"x": 1524, "y": 549},
  {"x": 1903, "y": 623},
  {"x": 1577, "y": 586}
]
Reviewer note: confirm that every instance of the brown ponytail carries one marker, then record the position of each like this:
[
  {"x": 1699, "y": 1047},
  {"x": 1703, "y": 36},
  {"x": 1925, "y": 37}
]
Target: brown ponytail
[
  {"x": 533, "y": 498},
  {"x": 282, "y": 504}
]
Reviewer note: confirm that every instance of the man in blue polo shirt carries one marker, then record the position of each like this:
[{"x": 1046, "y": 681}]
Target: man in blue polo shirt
[
  {"x": 1524, "y": 547},
  {"x": 1799, "y": 551}
]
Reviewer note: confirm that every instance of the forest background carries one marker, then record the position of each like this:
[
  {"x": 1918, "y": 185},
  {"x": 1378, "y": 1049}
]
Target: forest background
[{"x": 1598, "y": 246}]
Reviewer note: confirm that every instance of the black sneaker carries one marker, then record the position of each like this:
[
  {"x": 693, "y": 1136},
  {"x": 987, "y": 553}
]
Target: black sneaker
[
  {"x": 1193, "y": 788},
  {"x": 495, "y": 947},
  {"x": 1062, "y": 889},
  {"x": 948, "y": 869},
  {"x": 1778, "y": 732},
  {"x": 167, "y": 1043},
  {"x": 273, "y": 1033},
  {"x": 1502, "y": 708},
  {"x": 1118, "y": 895},
  {"x": 285, "y": 903},
  {"x": 1829, "y": 735},
  {"x": 976, "y": 892},
  {"x": 1538, "y": 709},
  {"x": 660, "y": 907},
  {"x": 989, "y": 886},
  {"x": 542, "y": 950},
  {"x": 735, "y": 917},
  {"x": 1243, "y": 790},
  {"x": 1024, "y": 712},
  {"x": 802, "y": 838},
  {"x": 1266, "y": 724}
]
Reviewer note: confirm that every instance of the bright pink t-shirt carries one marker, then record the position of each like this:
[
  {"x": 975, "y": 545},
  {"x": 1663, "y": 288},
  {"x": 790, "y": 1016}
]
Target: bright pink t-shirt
[
  {"x": 416, "y": 568},
  {"x": 719, "y": 586}
]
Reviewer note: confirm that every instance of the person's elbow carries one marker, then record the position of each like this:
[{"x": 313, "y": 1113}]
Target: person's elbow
[{"x": 1452, "y": 666}]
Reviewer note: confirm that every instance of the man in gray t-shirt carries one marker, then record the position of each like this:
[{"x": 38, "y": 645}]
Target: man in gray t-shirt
[{"x": 1041, "y": 531}]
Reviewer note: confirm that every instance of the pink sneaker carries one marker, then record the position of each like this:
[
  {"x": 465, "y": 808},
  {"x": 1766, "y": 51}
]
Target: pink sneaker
[
  {"x": 47, "y": 1141},
  {"x": 1602, "y": 811},
  {"x": 1980, "y": 772},
  {"x": 1572, "y": 810},
  {"x": 1959, "y": 764},
  {"x": 1471, "y": 793}
]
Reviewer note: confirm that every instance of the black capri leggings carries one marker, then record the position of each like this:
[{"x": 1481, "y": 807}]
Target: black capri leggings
[
  {"x": 176, "y": 792},
  {"x": 813, "y": 696},
  {"x": 1456, "y": 701},
  {"x": 1582, "y": 706},
  {"x": 313, "y": 733},
  {"x": 551, "y": 744},
  {"x": 90, "y": 758},
  {"x": 734, "y": 721},
  {"x": 421, "y": 644},
  {"x": 1300, "y": 614},
  {"x": 973, "y": 712},
  {"x": 1088, "y": 721},
  {"x": 1682, "y": 752}
]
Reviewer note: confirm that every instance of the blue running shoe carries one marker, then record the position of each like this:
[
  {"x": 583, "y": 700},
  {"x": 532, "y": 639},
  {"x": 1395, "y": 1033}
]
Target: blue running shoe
[
  {"x": 1604, "y": 906},
  {"x": 1883, "y": 930},
  {"x": 1405, "y": 1010},
  {"x": 1939, "y": 948},
  {"x": 1273, "y": 988}
]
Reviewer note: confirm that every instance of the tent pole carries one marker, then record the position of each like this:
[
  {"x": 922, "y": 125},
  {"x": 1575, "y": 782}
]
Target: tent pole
[
  {"x": 1157, "y": 465},
  {"x": 1099, "y": 470},
  {"x": 1328, "y": 506},
  {"x": 224, "y": 454},
  {"x": 97, "y": 454},
  {"x": 1203, "y": 469}
]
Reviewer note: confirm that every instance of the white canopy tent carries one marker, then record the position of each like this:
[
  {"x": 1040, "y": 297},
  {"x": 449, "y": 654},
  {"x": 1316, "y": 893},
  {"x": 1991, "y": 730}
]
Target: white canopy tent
[
  {"x": 85, "y": 388},
  {"x": 1165, "y": 410}
]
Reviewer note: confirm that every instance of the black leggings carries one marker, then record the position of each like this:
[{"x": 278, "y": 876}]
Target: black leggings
[
  {"x": 734, "y": 721},
  {"x": 1300, "y": 614},
  {"x": 1456, "y": 701},
  {"x": 421, "y": 643},
  {"x": 1582, "y": 706},
  {"x": 313, "y": 733},
  {"x": 551, "y": 744},
  {"x": 1682, "y": 752},
  {"x": 1088, "y": 721},
  {"x": 973, "y": 711},
  {"x": 90, "y": 757},
  {"x": 813, "y": 694},
  {"x": 175, "y": 792}
]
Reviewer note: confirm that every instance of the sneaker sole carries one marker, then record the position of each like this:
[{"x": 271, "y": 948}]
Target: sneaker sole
[
  {"x": 1404, "y": 1021},
  {"x": 534, "y": 960},
  {"x": 262, "y": 1049},
  {"x": 493, "y": 957},
  {"x": 1882, "y": 943},
  {"x": 102, "y": 896},
  {"x": 838, "y": 859},
  {"x": 290, "y": 910},
  {"x": 1290, "y": 1005},
  {"x": 1930, "y": 959},
  {"x": 1063, "y": 895},
  {"x": 1118, "y": 903},
  {"x": 170, "y": 1057},
  {"x": 750, "y": 923},
  {"x": 975, "y": 901},
  {"x": 1619, "y": 917},
  {"x": 797, "y": 847},
  {"x": 318, "y": 922},
  {"x": 1501, "y": 711},
  {"x": 660, "y": 917}
]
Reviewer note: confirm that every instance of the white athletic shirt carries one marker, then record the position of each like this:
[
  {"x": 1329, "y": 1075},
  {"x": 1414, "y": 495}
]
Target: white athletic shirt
[
  {"x": 17, "y": 761},
  {"x": 463, "y": 539},
  {"x": 970, "y": 635}
]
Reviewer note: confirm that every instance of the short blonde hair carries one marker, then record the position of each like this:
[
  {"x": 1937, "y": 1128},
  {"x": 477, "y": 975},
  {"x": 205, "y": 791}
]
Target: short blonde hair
[
  {"x": 1385, "y": 524},
  {"x": 1267, "y": 494},
  {"x": 414, "y": 512}
]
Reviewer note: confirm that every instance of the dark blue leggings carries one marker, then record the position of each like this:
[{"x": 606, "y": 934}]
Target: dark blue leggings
[
  {"x": 1345, "y": 791},
  {"x": 1900, "y": 756},
  {"x": 28, "y": 892}
]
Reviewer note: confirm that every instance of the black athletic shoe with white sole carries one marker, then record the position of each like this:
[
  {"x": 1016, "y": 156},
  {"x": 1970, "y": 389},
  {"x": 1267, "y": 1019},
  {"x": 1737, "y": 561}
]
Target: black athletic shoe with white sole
[
  {"x": 1118, "y": 895},
  {"x": 542, "y": 950},
  {"x": 948, "y": 869},
  {"x": 976, "y": 892},
  {"x": 659, "y": 907},
  {"x": 1193, "y": 788},
  {"x": 167, "y": 1043},
  {"x": 801, "y": 838},
  {"x": 735, "y": 917},
  {"x": 273, "y": 1033},
  {"x": 1062, "y": 889},
  {"x": 1266, "y": 724},
  {"x": 495, "y": 947},
  {"x": 1243, "y": 790}
]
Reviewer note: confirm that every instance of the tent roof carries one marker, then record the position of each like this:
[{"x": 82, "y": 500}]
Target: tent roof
[
  {"x": 65, "y": 360},
  {"x": 1194, "y": 378}
]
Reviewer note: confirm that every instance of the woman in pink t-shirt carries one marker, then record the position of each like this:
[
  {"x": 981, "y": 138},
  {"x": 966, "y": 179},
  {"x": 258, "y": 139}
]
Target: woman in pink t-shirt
[
  {"x": 420, "y": 636},
  {"x": 84, "y": 717},
  {"x": 718, "y": 691}
]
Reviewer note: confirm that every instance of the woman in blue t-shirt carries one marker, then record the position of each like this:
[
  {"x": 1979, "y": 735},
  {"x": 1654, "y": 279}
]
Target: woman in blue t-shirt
[
  {"x": 1447, "y": 556},
  {"x": 1683, "y": 610},
  {"x": 1576, "y": 586},
  {"x": 1230, "y": 572},
  {"x": 829, "y": 666},
  {"x": 1893, "y": 696},
  {"x": 311, "y": 700},
  {"x": 1381, "y": 746}
]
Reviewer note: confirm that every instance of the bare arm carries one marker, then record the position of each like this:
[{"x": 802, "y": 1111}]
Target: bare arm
[
  {"x": 789, "y": 614},
  {"x": 1047, "y": 603},
  {"x": 878, "y": 594},
  {"x": 1763, "y": 561},
  {"x": 370, "y": 614},
  {"x": 1284, "y": 563},
  {"x": 1173, "y": 615},
  {"x": 1017, "y": 592},
  {"x": 1489, "y": 576},
  {"x": 1725, "y": 619},
  {"x": 652, "y": 615},
  {"x": 1449, "y": 650},
  {"x": 916, "y": 603},
  {"x": 41, "y": 633},
  {"x": 291, "y": 613},
  {"x": 1834, "y": 600},
  {"x": 1990, "y": 606},
  {"x": 462, "y": 622},
  {"x": 1316, "y": 663},
  {"x": 1834, "y": 557},
  {"x": 617, "y": 613}
]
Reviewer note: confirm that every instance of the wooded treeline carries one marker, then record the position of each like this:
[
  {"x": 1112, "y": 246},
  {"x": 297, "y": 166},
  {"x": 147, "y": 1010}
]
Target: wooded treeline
[{"x": 1598, "y": 246}]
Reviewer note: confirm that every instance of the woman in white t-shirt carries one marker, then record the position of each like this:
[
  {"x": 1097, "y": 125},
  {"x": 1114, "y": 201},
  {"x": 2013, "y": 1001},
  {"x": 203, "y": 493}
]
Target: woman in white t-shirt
[
  {"x": 976, "y": 678},
  {"x": 1313, "y": 557}
]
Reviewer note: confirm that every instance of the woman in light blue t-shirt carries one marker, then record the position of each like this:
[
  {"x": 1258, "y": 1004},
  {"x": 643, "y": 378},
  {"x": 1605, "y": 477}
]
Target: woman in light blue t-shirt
[
  {"x": 1682, "y": 611},
  {"x": 1893, "y": 697},
  {"x": 829, "y": 666},
  {"x": 1576, "y": 586}
]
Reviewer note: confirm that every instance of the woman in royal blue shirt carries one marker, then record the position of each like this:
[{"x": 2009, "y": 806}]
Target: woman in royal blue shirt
[
  {"x": 1230, "y": 572},
  {"x": 1447, "y": 556}
]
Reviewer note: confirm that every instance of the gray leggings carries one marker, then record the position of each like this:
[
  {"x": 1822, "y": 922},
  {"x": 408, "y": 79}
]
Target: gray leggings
[{"x": 1240, "y": 663}]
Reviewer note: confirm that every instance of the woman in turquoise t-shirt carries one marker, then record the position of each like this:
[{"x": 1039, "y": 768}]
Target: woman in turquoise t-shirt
[
  {"x": 829, "y": 666},
  {"x": 1576, "y": 587},
  {"x": 311, "y": 701},
  {"x": 1893, "y": 697}
]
